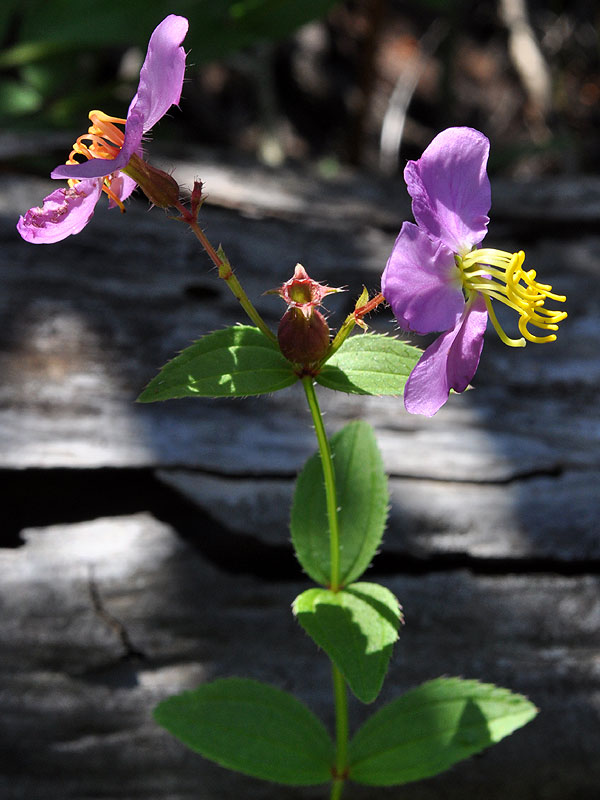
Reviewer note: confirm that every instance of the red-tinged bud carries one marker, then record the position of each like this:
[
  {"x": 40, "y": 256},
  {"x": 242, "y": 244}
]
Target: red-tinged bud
[
  {"x": 303, "y": 339},
  {"x": 197, "y": 198},
  {"x": 159, "y": 187}
]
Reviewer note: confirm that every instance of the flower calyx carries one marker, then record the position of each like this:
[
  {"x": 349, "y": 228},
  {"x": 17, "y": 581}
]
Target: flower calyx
[
  {"x": 159, "y": 187},
  {"x": 303, "y": 332}
]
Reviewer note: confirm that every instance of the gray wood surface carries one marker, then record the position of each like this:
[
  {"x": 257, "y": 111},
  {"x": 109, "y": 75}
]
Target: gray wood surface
[
  {"x": 493, "y": 544},
  {"x": 103, "y": 619}
]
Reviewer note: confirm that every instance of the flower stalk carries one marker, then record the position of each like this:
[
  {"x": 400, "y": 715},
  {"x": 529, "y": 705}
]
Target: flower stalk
[
  {"x": 363, "y": 307},
  {"x": 225, "y": 271}
]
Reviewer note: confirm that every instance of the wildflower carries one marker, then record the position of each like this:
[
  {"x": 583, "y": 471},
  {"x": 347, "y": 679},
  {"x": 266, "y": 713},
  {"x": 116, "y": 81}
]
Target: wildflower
[
  {"x": 303, "y": 333},
  {"x": 438, "y": 278},
  {"x": 112, "y": 152}
]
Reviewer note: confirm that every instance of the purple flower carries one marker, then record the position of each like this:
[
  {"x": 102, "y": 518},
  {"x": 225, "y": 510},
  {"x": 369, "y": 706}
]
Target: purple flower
[
  {"x": 438, "y": 278},
  {"x": 109, "y": 149}
]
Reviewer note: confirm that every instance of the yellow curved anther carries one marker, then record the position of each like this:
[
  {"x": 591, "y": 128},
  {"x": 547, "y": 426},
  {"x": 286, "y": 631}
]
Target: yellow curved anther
[
  {"x": 528, "y": 335},
  {"x": 494, "y": 320},
  {"x": 498, "y": 275}
]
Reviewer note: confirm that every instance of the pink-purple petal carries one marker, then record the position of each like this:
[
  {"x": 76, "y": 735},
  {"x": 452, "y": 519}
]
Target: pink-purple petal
[
  {"x": 101, "y": 167},
  {"x": 449, "y": 363},
  {"x": 64, "y": 212},
  {"x": 450, "y": 188},
  {"x": 464, "y": 355},
  {"x": 421, "y": 282},
  {"x": 161, "y": 80},
  {"x": 121, "y": 185},
  {"x": 161, "y": 76}
]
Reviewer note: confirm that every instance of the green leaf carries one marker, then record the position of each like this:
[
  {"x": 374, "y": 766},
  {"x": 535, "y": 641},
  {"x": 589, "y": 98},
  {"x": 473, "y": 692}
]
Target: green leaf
[
  {"x": 370, "y": 363},
  {"x": 253, "y": 728},
  {"x": 431, "y": 728},
  {"x": 362, "y": 500},
  {"x": 357, "y": 628},
  {"x": 234, "y": 362}
]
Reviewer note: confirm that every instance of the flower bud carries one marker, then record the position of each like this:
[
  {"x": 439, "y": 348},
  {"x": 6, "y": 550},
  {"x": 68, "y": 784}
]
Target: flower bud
[
  {"x": 197, "y": 198},
  {"x": 303, "y": 339}
]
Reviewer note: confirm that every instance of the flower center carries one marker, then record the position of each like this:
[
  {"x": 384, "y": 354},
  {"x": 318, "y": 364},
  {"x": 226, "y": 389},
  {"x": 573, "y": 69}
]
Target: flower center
[
  {"x": 300, "y": 292},
  {"x": 102, "y": 140},
  {"x": 499, "y": 275}
]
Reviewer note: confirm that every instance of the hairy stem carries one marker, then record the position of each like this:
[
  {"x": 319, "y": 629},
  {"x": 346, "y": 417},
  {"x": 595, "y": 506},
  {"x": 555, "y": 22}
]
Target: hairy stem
[
  {"x": 329, "y": 476},
  {"x": 226, "y": 272}
]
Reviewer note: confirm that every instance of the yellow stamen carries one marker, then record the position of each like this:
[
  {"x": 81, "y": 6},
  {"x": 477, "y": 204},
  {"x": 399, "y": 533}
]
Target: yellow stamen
[
  {"x": 499, "y": 330},
  {"x": 103, "y": 140},
  {"x": 499, "y": 275}
]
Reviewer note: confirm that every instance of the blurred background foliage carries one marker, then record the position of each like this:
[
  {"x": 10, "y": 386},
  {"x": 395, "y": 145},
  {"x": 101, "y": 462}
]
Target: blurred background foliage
[{"x": 367, "y": 82}]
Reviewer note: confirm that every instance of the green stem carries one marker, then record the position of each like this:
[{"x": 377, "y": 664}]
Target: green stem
[
  {"x": 341, "y": 336},
  {"x": 339, "y": 683},
  {"x": 341, "y": 733},
  {"x": 337, "y": 788},
  {"x": 329, "y": 476},
  {"x": 226, "y": 272}
]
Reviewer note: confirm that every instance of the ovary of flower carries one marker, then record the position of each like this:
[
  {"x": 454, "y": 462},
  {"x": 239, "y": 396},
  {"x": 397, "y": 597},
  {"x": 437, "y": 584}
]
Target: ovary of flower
[
  {"x": 102, "y": 140},
  {"x": 499, "y": 275}
]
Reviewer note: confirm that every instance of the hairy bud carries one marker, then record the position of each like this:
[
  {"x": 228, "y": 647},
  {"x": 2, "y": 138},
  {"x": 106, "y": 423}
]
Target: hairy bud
[
  {"x": 302, "y": 339},
  {"x": 159, "y": 187}
]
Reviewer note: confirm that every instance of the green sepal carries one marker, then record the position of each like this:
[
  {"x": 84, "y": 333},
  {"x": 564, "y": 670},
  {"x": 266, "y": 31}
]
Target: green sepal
[
  {"x": 357, "y": 628},
  {"x": 253, "y": 728},
  {"x": 235, "y": 362},
  {"x": 370, "y": 363},
  {"x": 362, "y": 500},
  {"x": 430, "y": 728}
]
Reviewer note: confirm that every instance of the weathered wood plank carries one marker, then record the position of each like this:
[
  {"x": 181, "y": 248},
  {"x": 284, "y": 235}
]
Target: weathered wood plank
[
  {"x": 541, "y": 517},
  {"x": 102, "y": 620},
  {"x": 85, "y": 324},
  {"x": 562, "y": 200},
  {"x": 74, "y": 712}
]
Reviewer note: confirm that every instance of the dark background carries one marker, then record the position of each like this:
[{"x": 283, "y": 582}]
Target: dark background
[{"x": 526, "y": 74}]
